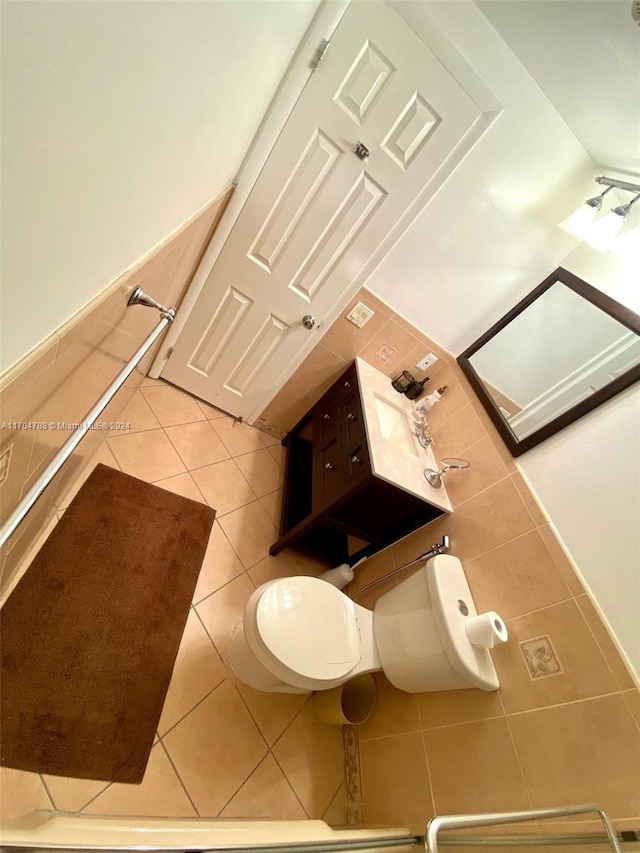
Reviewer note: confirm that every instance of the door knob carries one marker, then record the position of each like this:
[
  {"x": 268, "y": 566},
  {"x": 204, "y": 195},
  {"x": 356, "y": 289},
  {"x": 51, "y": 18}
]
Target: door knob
[{"x": 308, "y": 321}]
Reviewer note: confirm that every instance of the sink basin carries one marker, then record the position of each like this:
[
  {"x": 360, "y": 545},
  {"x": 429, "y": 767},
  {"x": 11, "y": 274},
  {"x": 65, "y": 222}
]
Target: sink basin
[
  {"x": 395, "y": 455},
  {"x": 395, "y": 426}
]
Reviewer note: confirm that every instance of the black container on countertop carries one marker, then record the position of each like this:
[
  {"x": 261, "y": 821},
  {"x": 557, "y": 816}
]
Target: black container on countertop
[
  {"x": 414, "y": 389},
  {"x": 402, "y": 382}
]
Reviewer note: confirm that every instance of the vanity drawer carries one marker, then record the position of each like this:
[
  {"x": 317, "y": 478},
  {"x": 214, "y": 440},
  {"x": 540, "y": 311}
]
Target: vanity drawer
[
  {"x": 347, "y": 384},
  {"x": 326, "y": 416},
  {"x": 356, "y": 463},
  {"x": 353, "y": 431},
  {"x": 328, "y": 479}
]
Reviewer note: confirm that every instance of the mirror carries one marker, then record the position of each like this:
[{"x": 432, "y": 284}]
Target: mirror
[{"x": 562, "y": 351}]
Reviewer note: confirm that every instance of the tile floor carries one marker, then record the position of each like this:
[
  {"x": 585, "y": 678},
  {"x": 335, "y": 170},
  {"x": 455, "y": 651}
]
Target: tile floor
[{"x": 222, "y": 748}]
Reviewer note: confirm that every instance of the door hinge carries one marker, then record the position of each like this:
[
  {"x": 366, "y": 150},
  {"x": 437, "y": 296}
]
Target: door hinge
[
  {"x": 319, "y": 54},
  {"x": 169, "y": 353}
]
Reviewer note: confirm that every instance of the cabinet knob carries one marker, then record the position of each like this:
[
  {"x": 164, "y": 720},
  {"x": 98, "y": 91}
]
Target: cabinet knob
[
  {"x": 351, "y": 417},
  {"x": 329, "y": 466},
  {"x": 356, "y": 459},
  {"x": 347, "y": 384},
  {"x": 326, "y": 417}
]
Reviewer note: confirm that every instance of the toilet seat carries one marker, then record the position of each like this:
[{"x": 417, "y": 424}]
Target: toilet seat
[{"x": 304, "y": 630}]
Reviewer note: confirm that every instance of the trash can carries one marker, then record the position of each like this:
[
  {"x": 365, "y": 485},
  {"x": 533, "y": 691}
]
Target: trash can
[{"x": 349, "y": 704}]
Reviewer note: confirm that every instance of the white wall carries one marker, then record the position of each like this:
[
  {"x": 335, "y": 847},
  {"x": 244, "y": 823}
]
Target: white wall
[
  {"x": 588, "y": 476},
  {"x": 489, "y": 234},
  {"x": 487, "y": 238},
  {"x": 120, "y": 120}
]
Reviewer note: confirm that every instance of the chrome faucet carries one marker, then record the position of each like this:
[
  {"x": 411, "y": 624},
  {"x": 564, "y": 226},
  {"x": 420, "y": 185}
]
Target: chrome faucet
[{"x": 421, "y": 429}]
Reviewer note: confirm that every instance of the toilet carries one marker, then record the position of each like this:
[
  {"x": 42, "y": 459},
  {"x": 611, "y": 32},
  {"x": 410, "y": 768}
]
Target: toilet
[{"x": 301, "y": 634}]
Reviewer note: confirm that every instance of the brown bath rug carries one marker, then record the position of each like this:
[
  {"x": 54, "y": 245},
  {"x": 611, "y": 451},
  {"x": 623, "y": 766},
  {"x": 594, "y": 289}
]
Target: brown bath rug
[{"x": 89, "y": 637}]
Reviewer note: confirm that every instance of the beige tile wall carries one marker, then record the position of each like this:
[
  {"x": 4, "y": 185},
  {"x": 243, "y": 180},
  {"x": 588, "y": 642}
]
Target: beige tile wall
[
  {"x": 62, "y": 379},
  {"x": 567, "y": 736}
]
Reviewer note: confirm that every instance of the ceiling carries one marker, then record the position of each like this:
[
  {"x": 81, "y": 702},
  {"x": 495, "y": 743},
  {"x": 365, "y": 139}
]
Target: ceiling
[{"x": 585, "y": 56}]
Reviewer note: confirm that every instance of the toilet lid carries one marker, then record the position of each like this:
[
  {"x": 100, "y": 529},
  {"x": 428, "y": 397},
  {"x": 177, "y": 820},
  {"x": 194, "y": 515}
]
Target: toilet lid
[{"x": 309, "y": 626}]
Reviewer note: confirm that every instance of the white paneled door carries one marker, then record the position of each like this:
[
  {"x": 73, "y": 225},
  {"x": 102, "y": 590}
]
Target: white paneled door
[{"x": 320, "y": 209}]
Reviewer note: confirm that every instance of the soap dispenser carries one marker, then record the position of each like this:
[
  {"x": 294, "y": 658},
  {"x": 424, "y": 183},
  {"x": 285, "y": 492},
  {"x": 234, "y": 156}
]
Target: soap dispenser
[{"x": 424, "y": 406}]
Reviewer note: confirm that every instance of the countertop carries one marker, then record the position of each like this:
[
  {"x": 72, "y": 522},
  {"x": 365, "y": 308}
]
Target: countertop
[{"x": 396, "y": 455}]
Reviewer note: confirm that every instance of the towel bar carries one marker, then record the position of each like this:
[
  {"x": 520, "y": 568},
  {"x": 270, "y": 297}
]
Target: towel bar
[{"x": 18, "y": 514}]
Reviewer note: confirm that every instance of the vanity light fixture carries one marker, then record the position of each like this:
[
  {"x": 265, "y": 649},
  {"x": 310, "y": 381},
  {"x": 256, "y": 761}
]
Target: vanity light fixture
[
  {"x": 600, "y": 232},
  {"x": 605, "y": 230},
  {"x": 578, "y": 223}
]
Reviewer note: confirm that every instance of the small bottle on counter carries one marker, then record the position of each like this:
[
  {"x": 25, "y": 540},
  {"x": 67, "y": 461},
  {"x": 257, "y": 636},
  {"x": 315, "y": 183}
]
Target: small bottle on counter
[{"x": 420, "y": 409}]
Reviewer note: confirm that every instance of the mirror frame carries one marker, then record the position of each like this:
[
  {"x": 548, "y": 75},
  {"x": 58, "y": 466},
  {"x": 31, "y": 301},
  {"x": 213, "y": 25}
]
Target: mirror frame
[{"x": 605, "y": 303}]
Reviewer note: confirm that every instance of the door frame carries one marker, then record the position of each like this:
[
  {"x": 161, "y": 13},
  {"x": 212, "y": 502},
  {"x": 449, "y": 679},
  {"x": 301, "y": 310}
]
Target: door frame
[{"x": 323, "y": 25}]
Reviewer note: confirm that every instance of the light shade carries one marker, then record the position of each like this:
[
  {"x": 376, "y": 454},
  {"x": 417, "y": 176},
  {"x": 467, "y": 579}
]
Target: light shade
[{"x": 579, "y": 223}]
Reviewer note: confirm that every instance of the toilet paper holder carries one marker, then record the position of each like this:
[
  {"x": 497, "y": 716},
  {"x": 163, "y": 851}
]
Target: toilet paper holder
[{"x": 485, "y": 630}]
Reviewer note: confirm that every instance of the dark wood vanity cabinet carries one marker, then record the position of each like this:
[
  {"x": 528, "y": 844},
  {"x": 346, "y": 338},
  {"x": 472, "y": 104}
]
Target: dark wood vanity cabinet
[{"x": 330, "y": 490}]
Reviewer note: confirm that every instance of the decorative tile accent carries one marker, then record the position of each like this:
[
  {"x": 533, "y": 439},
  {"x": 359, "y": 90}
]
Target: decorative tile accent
[
  {"x": 352, "y": 775},
  {"x": 540, "y": 657},
  {"x": 385, "y": 352}
]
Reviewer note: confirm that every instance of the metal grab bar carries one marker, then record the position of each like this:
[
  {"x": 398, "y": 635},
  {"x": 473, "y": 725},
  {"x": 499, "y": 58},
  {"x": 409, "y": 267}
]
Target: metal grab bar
[
  {"x": 495, "y": 818},
  {"x": 17, "y": 516},
  {"x": 532, "y": 840}
]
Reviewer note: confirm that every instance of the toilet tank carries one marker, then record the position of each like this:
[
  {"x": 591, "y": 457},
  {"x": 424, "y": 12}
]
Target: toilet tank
[{"x": 419, "y": 632}]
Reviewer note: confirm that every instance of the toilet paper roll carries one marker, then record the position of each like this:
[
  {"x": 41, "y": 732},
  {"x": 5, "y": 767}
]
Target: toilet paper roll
[{"x": 485, "y": 630}]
